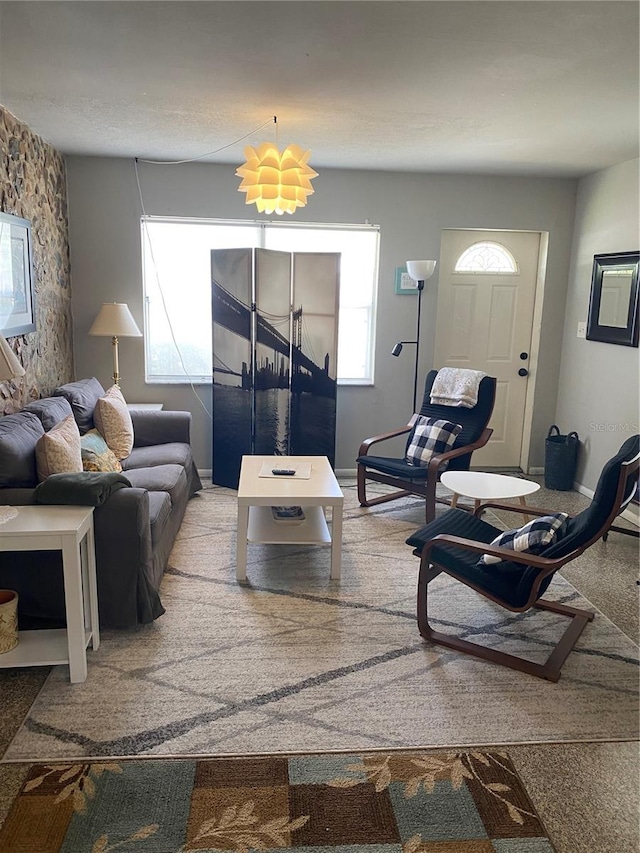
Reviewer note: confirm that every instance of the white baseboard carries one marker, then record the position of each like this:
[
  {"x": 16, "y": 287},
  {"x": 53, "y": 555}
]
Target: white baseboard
[
  {"x": 535, "y": 471},
  {"x": 346, "y": 472}
]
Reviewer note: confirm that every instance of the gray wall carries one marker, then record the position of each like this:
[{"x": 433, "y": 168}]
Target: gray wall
[
  {"x": 598, "y": 389},
  {"x": 412, "y": 209}
]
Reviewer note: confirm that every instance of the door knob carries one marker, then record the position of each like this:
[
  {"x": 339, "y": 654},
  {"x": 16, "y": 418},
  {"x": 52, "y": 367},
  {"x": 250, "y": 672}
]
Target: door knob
[{"x": 523, "y": 372}]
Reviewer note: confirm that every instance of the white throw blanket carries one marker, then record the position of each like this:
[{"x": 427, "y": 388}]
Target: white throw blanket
[{"x": 454, "y": 386}]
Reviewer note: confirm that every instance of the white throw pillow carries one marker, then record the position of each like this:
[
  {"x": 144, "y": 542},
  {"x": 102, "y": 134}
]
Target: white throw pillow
[
  {"x": 58, "y": 450},
  {"x": 113, "y": 421}
]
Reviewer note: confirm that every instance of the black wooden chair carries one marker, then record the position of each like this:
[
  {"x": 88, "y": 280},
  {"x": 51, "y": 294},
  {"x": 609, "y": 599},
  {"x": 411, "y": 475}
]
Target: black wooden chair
[
  {"x": 413, "y": 480},
  {"x": 454, "y": 542}
]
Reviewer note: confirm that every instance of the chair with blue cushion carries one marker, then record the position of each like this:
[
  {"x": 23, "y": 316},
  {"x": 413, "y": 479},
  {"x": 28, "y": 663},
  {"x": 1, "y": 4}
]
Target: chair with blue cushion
[
  {"x": 454, "y": 543},
  {"x": 418, "y": 480}
]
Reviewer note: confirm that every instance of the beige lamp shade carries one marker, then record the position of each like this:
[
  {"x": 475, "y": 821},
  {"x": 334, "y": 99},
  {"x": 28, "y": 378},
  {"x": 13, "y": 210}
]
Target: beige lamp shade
[
  {"x": 421, "y": 270},
  {"x": 115, "y": 319},
  {"x": 10, "y": 367}
]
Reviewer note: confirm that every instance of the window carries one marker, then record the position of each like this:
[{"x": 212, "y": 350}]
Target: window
[
  {"x": 177, "y": 285},
  {"x": 488, "y": 258}
]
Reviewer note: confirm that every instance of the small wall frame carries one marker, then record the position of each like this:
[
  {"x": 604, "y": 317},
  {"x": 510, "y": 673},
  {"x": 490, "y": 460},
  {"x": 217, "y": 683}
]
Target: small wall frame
[
  {"x": 613, "y": 304},
  {"x": 17, "y": 281},
  {"x": 404, "y": 284}
]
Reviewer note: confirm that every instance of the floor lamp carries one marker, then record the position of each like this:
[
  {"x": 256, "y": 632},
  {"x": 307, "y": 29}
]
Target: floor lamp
[
  {"x": 114, "y": 320},
  {"x": 419, "y": 271}
]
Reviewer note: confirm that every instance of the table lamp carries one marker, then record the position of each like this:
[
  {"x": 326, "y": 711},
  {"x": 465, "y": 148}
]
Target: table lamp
[{"x": 114, "y": 320}]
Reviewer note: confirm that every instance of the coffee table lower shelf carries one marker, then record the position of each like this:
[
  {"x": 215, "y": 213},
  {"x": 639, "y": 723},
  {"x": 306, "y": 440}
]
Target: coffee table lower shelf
[{"x": 264, "y": 529}]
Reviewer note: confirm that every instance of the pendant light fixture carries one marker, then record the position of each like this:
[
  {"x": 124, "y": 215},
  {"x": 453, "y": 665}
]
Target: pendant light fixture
[{"x": 276, "y": 182}]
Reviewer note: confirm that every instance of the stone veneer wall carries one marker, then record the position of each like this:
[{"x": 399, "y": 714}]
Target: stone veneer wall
[{"x": 33, "y": 186}]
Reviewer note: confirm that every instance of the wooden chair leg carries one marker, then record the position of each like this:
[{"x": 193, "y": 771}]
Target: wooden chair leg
[
  {"x": 361, "y": 480},
  {"x": 549, "y": 670}
]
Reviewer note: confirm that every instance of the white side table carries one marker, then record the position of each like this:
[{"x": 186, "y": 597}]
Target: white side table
[
  {"x": 68, "y": 529},
  {"x": 483, "y": 486}
]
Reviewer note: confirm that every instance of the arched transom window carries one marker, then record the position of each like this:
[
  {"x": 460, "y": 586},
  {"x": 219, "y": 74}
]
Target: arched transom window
[{"x": 488, "y": 258}]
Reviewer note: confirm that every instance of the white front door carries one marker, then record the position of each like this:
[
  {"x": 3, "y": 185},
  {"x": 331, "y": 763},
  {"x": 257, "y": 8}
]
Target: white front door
[{"x": 486, "y": 297}]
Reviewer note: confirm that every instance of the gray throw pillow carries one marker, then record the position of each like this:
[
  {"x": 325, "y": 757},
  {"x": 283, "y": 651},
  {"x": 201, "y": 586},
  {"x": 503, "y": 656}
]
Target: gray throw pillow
[
  {"x": 19, "y": 435},
  {"x": 83, "y": 396}
]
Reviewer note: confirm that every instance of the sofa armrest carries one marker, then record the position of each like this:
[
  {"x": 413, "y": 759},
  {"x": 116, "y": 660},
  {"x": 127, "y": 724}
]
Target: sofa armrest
[
  {"x": 17, "y": 497},
  {"x": 162, "y": 427},
  {"x": 124, "y": 560}
]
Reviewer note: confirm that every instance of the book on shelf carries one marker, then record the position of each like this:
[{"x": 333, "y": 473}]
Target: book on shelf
[{"x": 289, "y": 514}]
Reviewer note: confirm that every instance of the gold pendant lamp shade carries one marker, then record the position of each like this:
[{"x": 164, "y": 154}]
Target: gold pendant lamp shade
[{"x": 276, "y": 182}]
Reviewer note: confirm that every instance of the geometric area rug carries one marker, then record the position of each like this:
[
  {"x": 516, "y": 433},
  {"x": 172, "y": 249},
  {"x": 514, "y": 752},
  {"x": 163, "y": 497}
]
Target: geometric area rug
[
  {"x": 291, "y": 661},
  {"x": 422, "y": 802}
]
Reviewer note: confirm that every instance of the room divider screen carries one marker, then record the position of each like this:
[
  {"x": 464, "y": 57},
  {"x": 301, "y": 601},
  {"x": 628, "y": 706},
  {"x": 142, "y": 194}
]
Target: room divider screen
[{"x": 275, "y": 346}]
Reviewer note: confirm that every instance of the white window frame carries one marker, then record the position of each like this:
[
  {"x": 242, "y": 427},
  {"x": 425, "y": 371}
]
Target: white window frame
[{"x": 263, "y": 228}]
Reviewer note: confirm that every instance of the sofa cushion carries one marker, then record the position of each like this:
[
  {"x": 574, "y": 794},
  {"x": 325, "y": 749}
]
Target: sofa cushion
[
  {"x": 83, "y": 396},
  {"x": 50, "y": 410},
  {"x": 159, "y": 512},
  {"x": 113, "y": 421},
  {"x": 19, "y": 434},
  {"x": 161, "y": 478},
  {"x": 173, "y": 453},
  {"x": 58, "y": 450},
  {"x": 96, "y": 455}
]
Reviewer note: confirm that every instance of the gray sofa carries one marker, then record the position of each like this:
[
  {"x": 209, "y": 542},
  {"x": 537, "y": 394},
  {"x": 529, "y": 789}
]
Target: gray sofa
[{"x": 134, "y": 528}]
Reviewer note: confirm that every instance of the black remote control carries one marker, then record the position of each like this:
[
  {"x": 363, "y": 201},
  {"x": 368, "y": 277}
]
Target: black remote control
[{"x": 284, "y": 472}]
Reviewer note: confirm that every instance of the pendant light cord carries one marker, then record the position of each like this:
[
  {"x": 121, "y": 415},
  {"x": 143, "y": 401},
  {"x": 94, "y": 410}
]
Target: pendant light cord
[{"x": 209, "y": 153}]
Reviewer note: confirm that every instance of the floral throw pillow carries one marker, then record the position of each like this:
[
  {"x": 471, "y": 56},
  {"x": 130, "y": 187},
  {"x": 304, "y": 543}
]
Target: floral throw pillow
[
  {"x": 58, "y": 450},
  {"x": 112, "y": 418},
  {"x": 96, "y": 454}
]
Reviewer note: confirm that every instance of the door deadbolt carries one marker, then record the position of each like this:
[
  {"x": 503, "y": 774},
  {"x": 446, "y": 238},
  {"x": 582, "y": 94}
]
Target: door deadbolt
[{"x": 524, "y": 356}]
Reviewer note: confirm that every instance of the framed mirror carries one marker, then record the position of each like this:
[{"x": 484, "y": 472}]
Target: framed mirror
[{"x": 613, "y": 305}]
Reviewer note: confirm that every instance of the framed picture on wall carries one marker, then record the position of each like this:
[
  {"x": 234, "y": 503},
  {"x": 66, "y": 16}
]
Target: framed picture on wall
[
  {"x": 404, "y": 284},
  {"x": 17, "y": 281}
]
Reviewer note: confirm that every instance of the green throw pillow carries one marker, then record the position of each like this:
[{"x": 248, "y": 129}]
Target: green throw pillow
[{"x": 96, "y": 455}]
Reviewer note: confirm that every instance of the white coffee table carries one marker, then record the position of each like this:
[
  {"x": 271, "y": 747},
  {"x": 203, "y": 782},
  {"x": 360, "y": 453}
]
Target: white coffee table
[
  {"x": 256, "y": 496},
  {"x": 483, "y": 486}
]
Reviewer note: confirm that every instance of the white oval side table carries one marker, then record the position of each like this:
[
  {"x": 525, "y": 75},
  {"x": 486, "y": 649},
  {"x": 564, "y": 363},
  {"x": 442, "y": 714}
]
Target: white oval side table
[{"x": 482, "y": 486}]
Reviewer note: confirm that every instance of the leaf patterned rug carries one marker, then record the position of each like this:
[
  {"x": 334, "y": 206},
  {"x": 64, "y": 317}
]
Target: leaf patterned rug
[{"x": 413, "y": 802}]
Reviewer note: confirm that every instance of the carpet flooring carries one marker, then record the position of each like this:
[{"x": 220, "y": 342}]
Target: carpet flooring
[
  {"x": 423, "y": 802},
  {"x": 294, "y": 662}
]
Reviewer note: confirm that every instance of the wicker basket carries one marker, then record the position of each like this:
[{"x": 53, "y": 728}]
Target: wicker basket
[
  {"x": 561, "y": 458},
  {"x": 8, "y": 620}
]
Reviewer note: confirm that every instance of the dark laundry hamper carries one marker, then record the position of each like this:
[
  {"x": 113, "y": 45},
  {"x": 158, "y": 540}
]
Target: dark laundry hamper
[{"x": 561, "y": 458}]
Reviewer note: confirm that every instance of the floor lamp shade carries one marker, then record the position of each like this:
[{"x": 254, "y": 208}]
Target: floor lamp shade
[
  {"x": 114, "y": 320},
  {"x": 421, "y": 270},
  {"x": 10, "y": 367}
]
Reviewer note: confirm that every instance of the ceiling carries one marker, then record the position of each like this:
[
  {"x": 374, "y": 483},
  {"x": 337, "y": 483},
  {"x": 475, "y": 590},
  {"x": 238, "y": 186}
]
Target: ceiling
[{"x": 511, "y": 87}]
